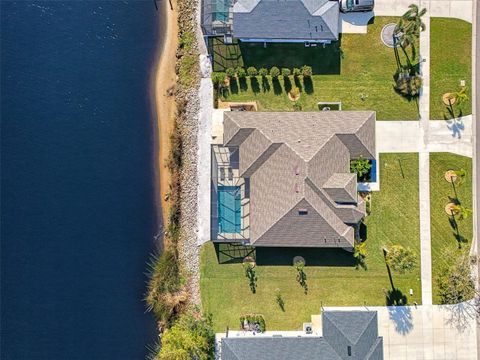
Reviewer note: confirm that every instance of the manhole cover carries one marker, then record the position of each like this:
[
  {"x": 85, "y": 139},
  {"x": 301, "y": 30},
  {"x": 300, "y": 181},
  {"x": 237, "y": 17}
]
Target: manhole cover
[{"x": 387, "y": 36}]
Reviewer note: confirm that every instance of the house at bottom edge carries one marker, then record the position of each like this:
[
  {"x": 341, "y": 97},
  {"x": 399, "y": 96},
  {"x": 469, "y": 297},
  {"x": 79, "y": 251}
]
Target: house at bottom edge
[
  {"x": 346, "y": 335},
  {"x": 282, "y": 179}
]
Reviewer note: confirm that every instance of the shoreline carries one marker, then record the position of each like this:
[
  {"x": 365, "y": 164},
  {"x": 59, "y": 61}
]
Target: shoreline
[{"x": 164, "y": 107}]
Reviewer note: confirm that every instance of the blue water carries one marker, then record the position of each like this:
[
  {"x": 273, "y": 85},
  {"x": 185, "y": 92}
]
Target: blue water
[
  {"x": 221, "y": 10},
  {"x": 77, "y": 185},
  {"x": 229, "y": 209}
]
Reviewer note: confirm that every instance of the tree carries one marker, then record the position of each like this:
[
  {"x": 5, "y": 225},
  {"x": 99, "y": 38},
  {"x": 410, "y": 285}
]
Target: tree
[
  {"x": 462, "y": 212},
  {"x": 251, "y": 276},
  {"x": 307, "y": 71},
  {"x": 456, "y": 283},
  {"x": 285, "y": 72},
  {"x": 409, "y": 27},
  {"x": 252, "y": 71},
  {"x": 458, "y": 97},
  {"x": 461, "y": 175},
  {"x": 241, "y": 72},
  {"x": 191, "y": 337},
  {"x": 400, "y": 259},
  {"x": 274, "y": 72},
  {"x": 263, "y": 72},
  {"x": 409, "y": 86},
  {"x": 294, "y": 93},
  {"x": 361, "y": 167},
  {"x": 218, "y": 79},
  {"x": 360, "y": 254},
  {"x": 296, "y": 72},
  {"x": 301, "y": 276}
]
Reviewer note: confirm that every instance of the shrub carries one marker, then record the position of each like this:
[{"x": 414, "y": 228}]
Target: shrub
[
  {"x": 360, "y": 254},
  {"x": 218, "y": 78},
  {"x": 241, "y": 72},
  {"x": 253, "y": 319},
  {"x": 296, "y": 72},
  {"x": 279, "y": 300},
  {"x": 307, "y": 71},
  {"x": 400, "y": 259},
  {"x": 192, "y": 337},
  {"x": 274, "y": 72},
  {"x": 409, "y": 86},
  {"x": 252, "y": 71},
  {"x": 361, "y": 167},
  {"x": 301, "y": 276},
  {"x": 263, "y": 72},
  {"x": 230, "y": 72},
  {"x": 164, "y": 290},
  {"x": 285, "y": 72}
]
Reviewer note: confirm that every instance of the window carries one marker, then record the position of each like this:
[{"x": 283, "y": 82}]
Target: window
[{"x": 302, "y": 211}]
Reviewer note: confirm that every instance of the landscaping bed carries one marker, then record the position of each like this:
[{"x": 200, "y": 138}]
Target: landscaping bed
[
  {"x": 450, "y": 62},
  {"x": 331, "y": 275},
  {"x": 356, "y": 71},
  {"x": 449, "y": 239}
]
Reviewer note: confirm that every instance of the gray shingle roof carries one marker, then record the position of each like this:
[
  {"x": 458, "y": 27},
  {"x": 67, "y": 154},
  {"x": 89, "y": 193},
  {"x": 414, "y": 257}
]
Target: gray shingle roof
[
  {"x": 357, "y": 329},
  {"x": 286, "y": 19},
  {"x": 299, "y": 161}
]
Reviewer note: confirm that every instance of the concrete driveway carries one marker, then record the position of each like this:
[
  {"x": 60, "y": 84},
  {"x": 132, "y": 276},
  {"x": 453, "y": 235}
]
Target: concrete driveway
[{"x": 431, "y": 332}]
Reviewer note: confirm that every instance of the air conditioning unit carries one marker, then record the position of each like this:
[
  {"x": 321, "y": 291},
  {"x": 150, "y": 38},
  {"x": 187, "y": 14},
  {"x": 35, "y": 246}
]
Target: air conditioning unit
[{"x": 308, "y": 328}]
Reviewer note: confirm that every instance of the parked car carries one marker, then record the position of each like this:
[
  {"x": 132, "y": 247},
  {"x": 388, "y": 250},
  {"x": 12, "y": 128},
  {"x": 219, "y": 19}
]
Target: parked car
[{"x": 356, "y": 5}]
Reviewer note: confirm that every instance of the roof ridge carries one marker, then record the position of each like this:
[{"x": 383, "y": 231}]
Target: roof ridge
[{"x": 365, "y": 323}]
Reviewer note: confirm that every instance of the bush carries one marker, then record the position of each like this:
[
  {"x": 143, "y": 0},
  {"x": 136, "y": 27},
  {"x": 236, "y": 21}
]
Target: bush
[
  {"x": 400, "y": 259},
  {"x": 456, "y": 283},
  {"x": 253, "y": 319},
  {"x": 294, "y": 92},
  {"x": 307, "y": 71},
  {"x": 274, "y": 72},
  {"x": 230, "y": 72},
  {"x": 192, "y": 337},
  {"x": 409, "y": 86},
  {"x": 361, "y": 167},
  {"x": 241, "y": 72},
  {"x": 285, "y": 72},
  {"x": 252, "y": 71},
  {"x": 218, "y": 78},
  {"x": 296, "y": 72},
  {"x": 164, "y": 290},
  {"x": 263, "y": 72}
]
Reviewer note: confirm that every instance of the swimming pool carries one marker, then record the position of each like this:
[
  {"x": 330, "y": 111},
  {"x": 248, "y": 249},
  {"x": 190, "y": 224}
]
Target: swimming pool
[
  {"x": 221, "y": 10},
  {"x": 229, "y": 209}
]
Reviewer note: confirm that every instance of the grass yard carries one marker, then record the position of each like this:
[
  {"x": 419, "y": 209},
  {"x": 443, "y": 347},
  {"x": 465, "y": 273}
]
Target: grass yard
[
  {"x": 444, "y": 238},
  {"x": 450, "y": 62},
  {"x": 331, "y": 275},
  {"x": 357, "y": 70}
]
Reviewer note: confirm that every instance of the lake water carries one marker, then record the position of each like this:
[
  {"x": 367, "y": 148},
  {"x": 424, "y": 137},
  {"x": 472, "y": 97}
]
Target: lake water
[{"x": 77, "y": 185}]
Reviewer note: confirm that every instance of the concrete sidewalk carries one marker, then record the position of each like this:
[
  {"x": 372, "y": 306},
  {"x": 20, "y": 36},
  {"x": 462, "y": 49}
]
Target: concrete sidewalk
[{"x": 460, "y": 9}]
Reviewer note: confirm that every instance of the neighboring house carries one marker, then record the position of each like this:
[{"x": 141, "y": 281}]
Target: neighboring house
[
  {"x": 272, "y": 20},
  {"x": 347, "y": 335},
  {"x": 283, "y": 179}
]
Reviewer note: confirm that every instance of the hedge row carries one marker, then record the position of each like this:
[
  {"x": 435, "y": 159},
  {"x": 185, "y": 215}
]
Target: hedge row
[{"x": 274, "y": 72}]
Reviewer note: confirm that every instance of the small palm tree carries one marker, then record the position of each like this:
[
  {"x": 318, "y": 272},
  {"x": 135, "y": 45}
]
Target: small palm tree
[
  {"x": 458, "y": 97},
  {"x": 360, "y": 254},
  {"x": 413, "y": 18},
  {"x": 461, "y": 175},
  {"x": 462, "y": 212},
  {"x": 400, "y": 259}
]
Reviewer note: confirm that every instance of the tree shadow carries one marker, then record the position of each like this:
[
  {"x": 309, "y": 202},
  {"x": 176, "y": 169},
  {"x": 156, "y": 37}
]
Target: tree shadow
[
  {"x": 297, "y": 82},
  {"x": 233, "y": 85},
  {"x": 308, "y": 84},
  {"x": 463, "y": 316},
  {"x": 402, "y": 317},
  {"x": 277, "y": 88},
  {"x": 243, "y": 84},
  {"x": 363, "y": 232},
  {"x": 265, "y": 84},
  {"x": 255, "y": 86},
  {"x": 287, "y": 84}
]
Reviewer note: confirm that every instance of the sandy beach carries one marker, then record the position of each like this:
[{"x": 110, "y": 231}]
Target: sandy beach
[{"x": 165, "y": 78}]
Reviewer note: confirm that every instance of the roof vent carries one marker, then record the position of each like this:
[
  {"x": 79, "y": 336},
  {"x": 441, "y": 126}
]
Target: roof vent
[
  {"x": 297, "y": 170},
  {"x": 297, "y": 189},
  {"x": 302, "y": 211}
]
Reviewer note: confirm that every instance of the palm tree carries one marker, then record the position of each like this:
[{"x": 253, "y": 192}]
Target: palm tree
[
  {"x": 360, "y": 253},
  {"x": 460, "y": 174},
  {"x": 462, "y": 212},
  {"x": 413, "y": 17}
]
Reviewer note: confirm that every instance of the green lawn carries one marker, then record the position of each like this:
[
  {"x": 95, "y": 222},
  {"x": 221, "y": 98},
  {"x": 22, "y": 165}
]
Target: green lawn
[
  {"x": 331, "y": 275},
  {"x": 450, "y": 62},
  {"x": 444, "y": 237},
  {"x": 358, "y": 64}
]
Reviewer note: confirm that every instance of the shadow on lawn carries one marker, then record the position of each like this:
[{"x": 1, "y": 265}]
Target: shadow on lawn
[{"x": 235, "y": 253}]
